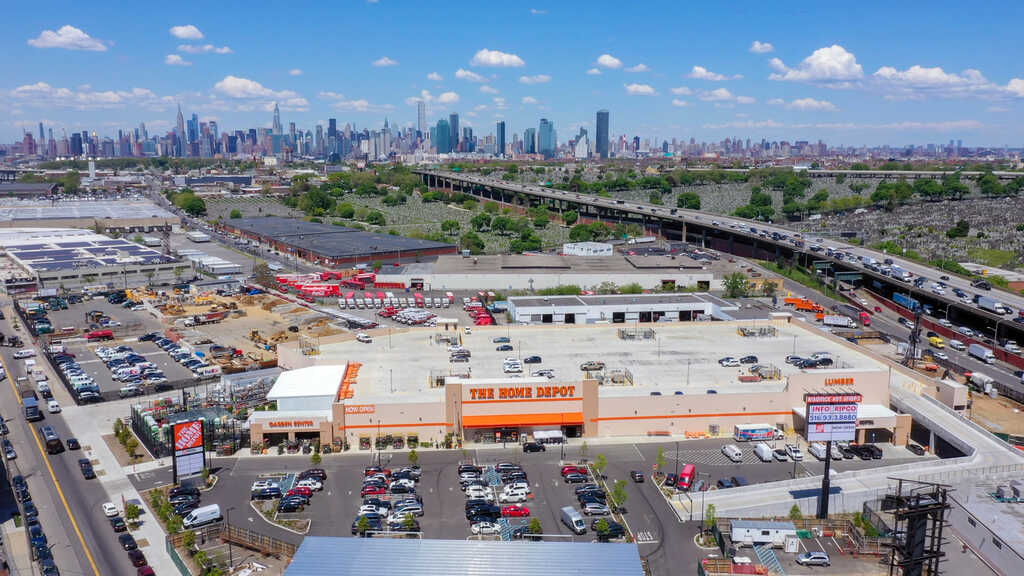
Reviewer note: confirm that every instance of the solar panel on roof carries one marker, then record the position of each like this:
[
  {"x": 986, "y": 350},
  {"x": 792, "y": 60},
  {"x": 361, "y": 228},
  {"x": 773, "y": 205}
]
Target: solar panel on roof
[{"x": 73, "y": 244}]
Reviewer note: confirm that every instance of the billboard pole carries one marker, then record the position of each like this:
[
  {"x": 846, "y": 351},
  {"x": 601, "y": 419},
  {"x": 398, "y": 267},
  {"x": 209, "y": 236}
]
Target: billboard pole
[{"x": 826, "y": 487}]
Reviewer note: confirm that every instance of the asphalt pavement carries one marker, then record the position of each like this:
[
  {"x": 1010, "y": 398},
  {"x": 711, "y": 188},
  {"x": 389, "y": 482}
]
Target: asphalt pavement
[{"x": 69, "y": 505}]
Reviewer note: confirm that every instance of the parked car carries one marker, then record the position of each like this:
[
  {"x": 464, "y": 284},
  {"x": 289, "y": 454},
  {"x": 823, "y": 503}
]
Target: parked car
[
  {"x": 813, "y": 559},
  {"x": 728, "y": 362},
  {"x": 914, "y": 448},
  {"x": 532, "y": 360},
  {"x": 118, "y": 524},
  {"x": 505, "y": 348}
]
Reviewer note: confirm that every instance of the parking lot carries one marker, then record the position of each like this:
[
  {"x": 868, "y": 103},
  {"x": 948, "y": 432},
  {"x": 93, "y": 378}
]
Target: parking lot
[
  {"x": 91, "y": 364},
  {"x": 126, "y": 323}
]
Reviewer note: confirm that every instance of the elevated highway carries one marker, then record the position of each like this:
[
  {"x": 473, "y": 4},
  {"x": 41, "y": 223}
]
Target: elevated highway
[{"x": 756, "y": 240}]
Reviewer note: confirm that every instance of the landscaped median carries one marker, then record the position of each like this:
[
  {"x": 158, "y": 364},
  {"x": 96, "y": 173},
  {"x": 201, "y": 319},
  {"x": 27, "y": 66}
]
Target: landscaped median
[
  {"x": 288, "y": 520},
  {"x": 616, "y": 497}
]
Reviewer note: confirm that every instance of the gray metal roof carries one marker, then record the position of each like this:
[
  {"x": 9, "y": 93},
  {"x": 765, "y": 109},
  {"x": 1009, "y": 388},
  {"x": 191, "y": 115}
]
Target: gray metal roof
[
  {"x": 321, "y": 556},
  {"x": 328, "y": 240},
  {"x": 26, "y": 188}
]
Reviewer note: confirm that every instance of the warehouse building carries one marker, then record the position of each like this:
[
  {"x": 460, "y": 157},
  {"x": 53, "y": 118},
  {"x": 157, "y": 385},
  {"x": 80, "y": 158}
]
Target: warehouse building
[
  {"x": 125, "y": 217},
  {"x": 617, "y": 308},
  {"x": 320, "y": 555},
  {"x": 38, "y": 258},
  {"x": 329, "y": 245},
  {"x": 27, "y": 189},
  {"x": 665, "y": 382}
]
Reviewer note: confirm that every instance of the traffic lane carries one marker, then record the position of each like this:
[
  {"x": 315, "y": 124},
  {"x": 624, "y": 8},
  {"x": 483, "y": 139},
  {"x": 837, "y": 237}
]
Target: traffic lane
[{"x": 65, "y": 545}]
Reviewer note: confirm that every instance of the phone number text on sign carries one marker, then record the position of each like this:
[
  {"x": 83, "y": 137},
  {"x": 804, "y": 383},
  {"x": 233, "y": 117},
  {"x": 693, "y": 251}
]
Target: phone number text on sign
[{"x": 831, "y": 413}]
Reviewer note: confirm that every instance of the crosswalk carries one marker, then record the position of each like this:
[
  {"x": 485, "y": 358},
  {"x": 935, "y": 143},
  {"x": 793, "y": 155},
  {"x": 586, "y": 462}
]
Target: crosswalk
[
  {"x": 709, "y": 457},
  {"x": 645, "y": 537}
]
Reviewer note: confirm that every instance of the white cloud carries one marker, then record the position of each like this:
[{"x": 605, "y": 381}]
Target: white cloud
[
  {"x": 235, "y": 87},
  {"x": 536, "y": 11},
  {"x": 723, "y": 96},
  {"x": 761, "y": 47},
  {"x": 384, "y": 62},
  {"x": 638, "y": 68},
  {"x": 813, "y": 105},
  {"x": 776, "y": 102},
  {"x": 328, "y": 95},
  {"x": 997, "y": 109},
  {"x": 69, "y": 38},
  {"x": 831, "y": 64},
  {"x": 609, "y": 61},
  {"x": 496, "y": 58},
  {"x": 680, "y": 103},
  {"x": 535, "y": 79},
  {"x": 175, "y": 60},
  {"x": 425, "y": 96},
  {"x": 360, "y": 105},
  {"x": 917, "y": 82},
  {"x": 186, "y": 32},
  {"x": 448, "y": 98},
  {"x": 529, "y": 100},
  {"x": 682, "y": 91},
  {"x": 1016, "y": 87},
  {"x": 748, "y": 124},
  {"x": 480, "y": 107},
  {"x": 43, "y": 95},
  {"x": 203, "y": 49},
  {"x": 640, "y": 90},
  {"x": 499, "y": 102},
  {"x": 463, "y": 74},
  {"x": 702, "y": 73},
  {"x": 295, "y": 72},
  {"x": 920, "y": 76},
  {"x": 489, "y": 89},
  {"x": 593, "y": 72},
  {"x": 940, "y": 126},
  {"x": 434, "y": 77}
]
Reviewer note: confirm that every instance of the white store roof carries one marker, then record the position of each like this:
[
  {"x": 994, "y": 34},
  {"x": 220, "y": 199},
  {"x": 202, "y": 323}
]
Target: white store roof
[{"x": 311, "y": 381}]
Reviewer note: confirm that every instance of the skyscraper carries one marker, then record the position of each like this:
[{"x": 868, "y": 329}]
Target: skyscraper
[
  {"x": 602, "y": 134},
  {"x": 421, "y": 118},
  {"x": 530, "y": 141},
  {"x": 546, "y": 140},
  {"x": 453, "y": 135},
  {"x": 499, "y": 143},
  {"x": 179, "y": 133},
  {"x": 278, "y": 129},
  {"x": 443, "y": 139},
  {"x": 42, "y": 137}
]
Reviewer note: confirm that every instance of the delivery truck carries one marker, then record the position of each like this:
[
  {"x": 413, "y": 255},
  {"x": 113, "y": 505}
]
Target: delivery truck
[{"x": 981, "y": 353}]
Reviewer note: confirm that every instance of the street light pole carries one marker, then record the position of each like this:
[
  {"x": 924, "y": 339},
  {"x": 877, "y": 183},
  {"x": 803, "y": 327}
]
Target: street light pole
[
  {"x": 677, "y": 461},
  {"x": 231, "y": 555}
]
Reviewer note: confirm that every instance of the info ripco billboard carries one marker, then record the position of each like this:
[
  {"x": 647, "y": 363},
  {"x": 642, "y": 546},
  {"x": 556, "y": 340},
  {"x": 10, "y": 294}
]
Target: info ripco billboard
[
  {"x": 832, "y": 417},
  {"x": 189, "y": 456}
]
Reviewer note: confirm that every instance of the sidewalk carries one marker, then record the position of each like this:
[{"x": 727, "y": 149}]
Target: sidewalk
[
  {"x": 88, "y": 429},
  {"x": 20, "y": 560}
]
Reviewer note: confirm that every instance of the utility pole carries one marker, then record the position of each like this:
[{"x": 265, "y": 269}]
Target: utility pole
[{"x": 826, "y": 485}]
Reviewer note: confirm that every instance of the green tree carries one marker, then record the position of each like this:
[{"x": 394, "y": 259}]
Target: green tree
[
  {"x": 795, "y": 513},
  {"x": 236, "y": 213},
  {"x": 471, "y": 241},
  {"x": 534, "y": 527},
  {"x": 450, "y": 227},
  {"x": 481, "y": 221},
  {"x": 619, "y": 495},
  {"x": 710, "y": 518},
  {"x": 362, "y": 525},
  {"x": 194, "y": 206},
  {"x": 201, "y": 558},
  {"x": 174, "y": 523},
  {"x": 570, "y": 217},
  {"x": 661, "y": 461},
  {"x": 600, "y": 463},
  {"x": 345, "y": 210},
  {"x": 541, "y": 221},
  {"x": 602, "y": 529},
  {"x": 768, "y": 289},
  {"x": 735, "y": 285},
  {"x": 414, "y": 457},
  {"x": 501, "y": 224},
  {"x": 408, "y": 522},
  {"x": 130, "y": 446},
  {"x": 688, "y": 200},
  {"x": 131, "y": 512},
  {"x": 71, "y": 181},
  {"x": 315, "y": 459},
  {"x": 491, "y": 207},
  {"x": 962, "y": 228},
  {"x": 376, "y": 218},
  {"x": 188, "y": 540}
]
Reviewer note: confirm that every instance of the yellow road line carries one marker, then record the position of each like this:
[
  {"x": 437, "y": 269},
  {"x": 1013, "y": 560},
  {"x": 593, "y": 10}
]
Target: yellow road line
[{"x": 60, "y": 492}]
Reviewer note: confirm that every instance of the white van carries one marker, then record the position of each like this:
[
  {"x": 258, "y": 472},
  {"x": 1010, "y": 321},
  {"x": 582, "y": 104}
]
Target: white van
[
  {"x": 202, "y": 516},
  {"x": 733, "y": 452},
  {"x": 26, "y": 353},
  {"x": 763, "y": 451},
  {"x": 957, "y": 345},
  {"x": 573, "y": 519},
  {"x": 817, "y": 449}
]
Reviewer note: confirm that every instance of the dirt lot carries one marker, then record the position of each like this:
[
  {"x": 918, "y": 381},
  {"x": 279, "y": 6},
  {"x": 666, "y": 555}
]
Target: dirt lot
[{"x": 997, "y": 414}]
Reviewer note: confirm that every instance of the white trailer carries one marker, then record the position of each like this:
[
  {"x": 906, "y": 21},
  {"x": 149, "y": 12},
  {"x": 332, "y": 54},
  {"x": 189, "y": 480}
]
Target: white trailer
[
  {"x": 839, "y": 320},
  {"x": 751, "y": 532}
]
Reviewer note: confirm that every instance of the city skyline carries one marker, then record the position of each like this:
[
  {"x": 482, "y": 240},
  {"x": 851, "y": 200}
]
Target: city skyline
[{"x": 767, "y": 73}]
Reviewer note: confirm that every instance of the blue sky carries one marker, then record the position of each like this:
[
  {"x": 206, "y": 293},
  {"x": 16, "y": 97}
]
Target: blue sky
[{"x": 856, "y": 73}]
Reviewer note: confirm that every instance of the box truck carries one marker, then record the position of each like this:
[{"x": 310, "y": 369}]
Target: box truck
[{"x": 981, "y": 353}]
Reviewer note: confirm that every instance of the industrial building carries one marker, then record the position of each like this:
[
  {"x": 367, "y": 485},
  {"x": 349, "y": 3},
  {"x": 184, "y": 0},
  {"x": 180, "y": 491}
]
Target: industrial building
[
  {"x": 319, "y": 555},
  {"x": 587, "y": 249},
  {"x": 662, "y": 379},
  {"x": 125, "y": 216},
  {"x": 37, "y": 258},
  {"x": 617, "y": 308},
  {"x": 539, "y": 271},
  {"x": 329, "y": 245},
  {"x": 26, "y": 189}
]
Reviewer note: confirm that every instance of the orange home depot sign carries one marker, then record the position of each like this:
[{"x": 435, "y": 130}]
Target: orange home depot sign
[
  {"x": 188, "y": 435},
  {"x": 291, "y": 424},
  {"x": 522, "y": 392},
  {"x": 839, "y": 381},
  {"x": 361, "y": 409}
]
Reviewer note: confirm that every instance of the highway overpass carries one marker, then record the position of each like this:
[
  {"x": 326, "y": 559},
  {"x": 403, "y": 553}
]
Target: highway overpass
[{"x": 751, "y": 239}]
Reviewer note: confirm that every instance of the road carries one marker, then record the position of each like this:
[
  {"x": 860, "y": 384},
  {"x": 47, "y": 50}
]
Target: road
[
  {"x": 69, "y": 505},
  {"x": 735, "y": 225}
]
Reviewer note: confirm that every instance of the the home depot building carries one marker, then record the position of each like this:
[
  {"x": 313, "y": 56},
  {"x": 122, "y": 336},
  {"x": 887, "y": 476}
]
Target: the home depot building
[{"x": 313, "y": 404}]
